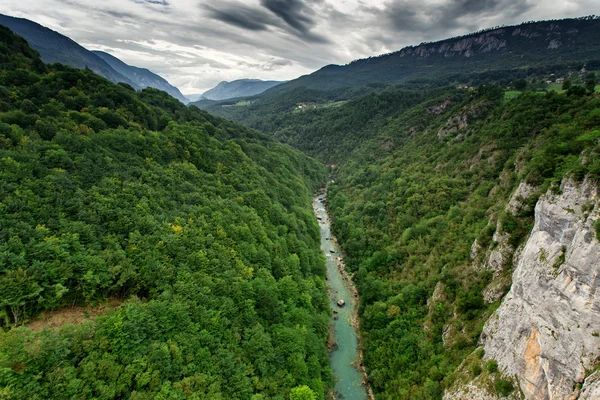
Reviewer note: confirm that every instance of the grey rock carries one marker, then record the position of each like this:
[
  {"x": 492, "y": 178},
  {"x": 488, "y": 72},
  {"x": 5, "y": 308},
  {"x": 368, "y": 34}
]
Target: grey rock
[
  {"x": 591, "y": 387},
  {"x": 545, "y": 333},
  {"x": 517, "y": 200}
]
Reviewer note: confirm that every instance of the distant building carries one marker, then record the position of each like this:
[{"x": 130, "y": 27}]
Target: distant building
[{"x": 560, "y": 80}]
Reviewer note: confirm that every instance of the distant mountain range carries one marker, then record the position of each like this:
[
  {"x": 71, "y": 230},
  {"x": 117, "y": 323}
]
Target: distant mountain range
[
  {"x": 141, "y": 77},
  {"x": 56, "y": 48},
  {"x": 239, "y": 88},
  {"x": 527, "y": 45},
  {"x": 194, "y": 97}
]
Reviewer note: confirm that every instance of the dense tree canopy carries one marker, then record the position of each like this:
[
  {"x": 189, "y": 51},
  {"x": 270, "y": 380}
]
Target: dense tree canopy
[
  {"x": 409, "y": 204},
  {"x": 202, "y": 228}
]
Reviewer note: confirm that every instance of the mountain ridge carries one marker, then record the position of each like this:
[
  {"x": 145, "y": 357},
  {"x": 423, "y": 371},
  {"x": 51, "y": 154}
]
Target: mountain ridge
[
  {"x": 55, "y": 47},
  {"x": 523, "y": 45},
  {"x": 239, "y": 88},
  {"x": 142, "y": 77}
]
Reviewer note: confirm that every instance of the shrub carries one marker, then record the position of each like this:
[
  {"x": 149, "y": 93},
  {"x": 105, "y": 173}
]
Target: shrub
[
  {"x": 475, "y": 370},
  {"x": 503, "y": 387},
  {"x": 480, "y": 353},
  {"x": 491, "y": 366}
]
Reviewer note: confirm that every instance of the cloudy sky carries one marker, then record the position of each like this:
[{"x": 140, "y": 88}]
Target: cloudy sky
[{"x": 197, "y": 43}]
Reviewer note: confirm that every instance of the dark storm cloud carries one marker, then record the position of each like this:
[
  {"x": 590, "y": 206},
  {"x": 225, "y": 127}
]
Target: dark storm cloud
[
  {"x": 299, "y": 15},
  {"x": 241, "y": 15},
  {"x": 292, "y": 16},
  {"x": 295, "y": 13},
  {"x": 409, "y": 16}
]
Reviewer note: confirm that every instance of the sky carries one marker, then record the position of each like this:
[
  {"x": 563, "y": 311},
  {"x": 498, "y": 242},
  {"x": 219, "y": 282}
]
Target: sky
[{"x": 195, "y": 44}]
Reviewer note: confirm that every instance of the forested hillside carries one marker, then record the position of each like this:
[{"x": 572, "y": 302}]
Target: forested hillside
[
  {"x": 327, "y": 132},
  {"x": 200, "y": 228},
  {"x": 422, "y": 183},
  {"x": 410, "y": 203}
]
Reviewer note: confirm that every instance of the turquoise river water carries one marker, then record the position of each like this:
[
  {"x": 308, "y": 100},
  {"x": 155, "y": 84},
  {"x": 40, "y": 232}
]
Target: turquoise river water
[{"x": 344, "y": 358}]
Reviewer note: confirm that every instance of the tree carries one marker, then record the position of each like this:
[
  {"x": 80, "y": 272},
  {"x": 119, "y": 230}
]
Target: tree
[
  {"x": 520, "y": 84},
  {"x": 16, "y": 288},
  {"x": 590, "y": 85},
  {"x": 302, "y": 393}
]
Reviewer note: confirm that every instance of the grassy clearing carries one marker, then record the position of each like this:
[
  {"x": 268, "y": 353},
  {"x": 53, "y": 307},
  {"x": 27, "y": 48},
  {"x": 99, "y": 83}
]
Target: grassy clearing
[
  {"x": 511, "y": 94},
  {"x": 555, "y": 87},
  {"x": 53, "y": 319}
]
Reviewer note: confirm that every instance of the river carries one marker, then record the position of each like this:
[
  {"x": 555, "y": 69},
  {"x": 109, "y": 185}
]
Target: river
[{"x": 343, "y": 357}]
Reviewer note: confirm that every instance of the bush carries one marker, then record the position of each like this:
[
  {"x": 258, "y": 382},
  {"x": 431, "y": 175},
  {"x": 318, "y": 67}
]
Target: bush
[
  {"x": 491, "y": 366},
  {"x": 480, "y": 353},
  {"x": 475, "y": 370},
  {"x": 503, "y": 387}
]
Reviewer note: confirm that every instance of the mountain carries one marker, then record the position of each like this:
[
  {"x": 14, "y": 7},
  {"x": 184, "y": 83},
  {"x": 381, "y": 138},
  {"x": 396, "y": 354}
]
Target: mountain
[
  {"x": 141, "y": 77},
  {"x": 530, "y": 44},
  {"x": 148, "y": 249},
  {"x": 194, "y": 97},
  {"x": 56, "y": 48},
  {"x": 239, "y": 88}
]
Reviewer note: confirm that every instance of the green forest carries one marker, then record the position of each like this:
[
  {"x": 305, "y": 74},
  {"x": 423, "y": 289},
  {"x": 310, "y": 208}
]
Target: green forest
[
  {"x": 420, "y": 175},
  {"x": 411, "y": 202},
  {"x": 201, "y": 228}
]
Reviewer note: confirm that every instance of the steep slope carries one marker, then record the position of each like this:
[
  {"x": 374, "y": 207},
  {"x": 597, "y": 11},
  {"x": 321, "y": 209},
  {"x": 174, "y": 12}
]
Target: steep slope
[
  {"x": 202, "y": 229},
  {"x": 546, "y": 330},
  {"x": 434, "y": 194},
  {"x": 239, "y": 88},
  {"x": 141, "y": 77},
  {"x": 426, "y": 205},
  {"x": 425, "y": 215},
  {"x": 56, "y": 48},
  {"x": 526, "y": 45}
]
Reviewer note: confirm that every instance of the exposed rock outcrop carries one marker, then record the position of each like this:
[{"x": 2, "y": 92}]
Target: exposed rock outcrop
[
  {"x": 504, "y": 254},
  {"x": 591, "y": 387},
  {"x": 461, "y": 119},
  {"x": 477, "y": 390},
  {"x": 546, "y": 332}
]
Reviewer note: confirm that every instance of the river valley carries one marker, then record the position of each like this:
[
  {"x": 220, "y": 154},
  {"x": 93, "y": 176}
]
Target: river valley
[{"x": 344, "y": 352}]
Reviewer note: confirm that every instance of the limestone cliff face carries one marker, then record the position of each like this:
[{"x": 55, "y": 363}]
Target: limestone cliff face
[
  {"x": 591, "y": 387},
  {"x": 495, "y": 40},
  {"x": 546, "y": 333}
]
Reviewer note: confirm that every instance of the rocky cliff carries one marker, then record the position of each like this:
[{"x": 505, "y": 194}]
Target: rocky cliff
[
  {"x": 529, "y": 45},
  {"x": 546, "y": 333}
]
